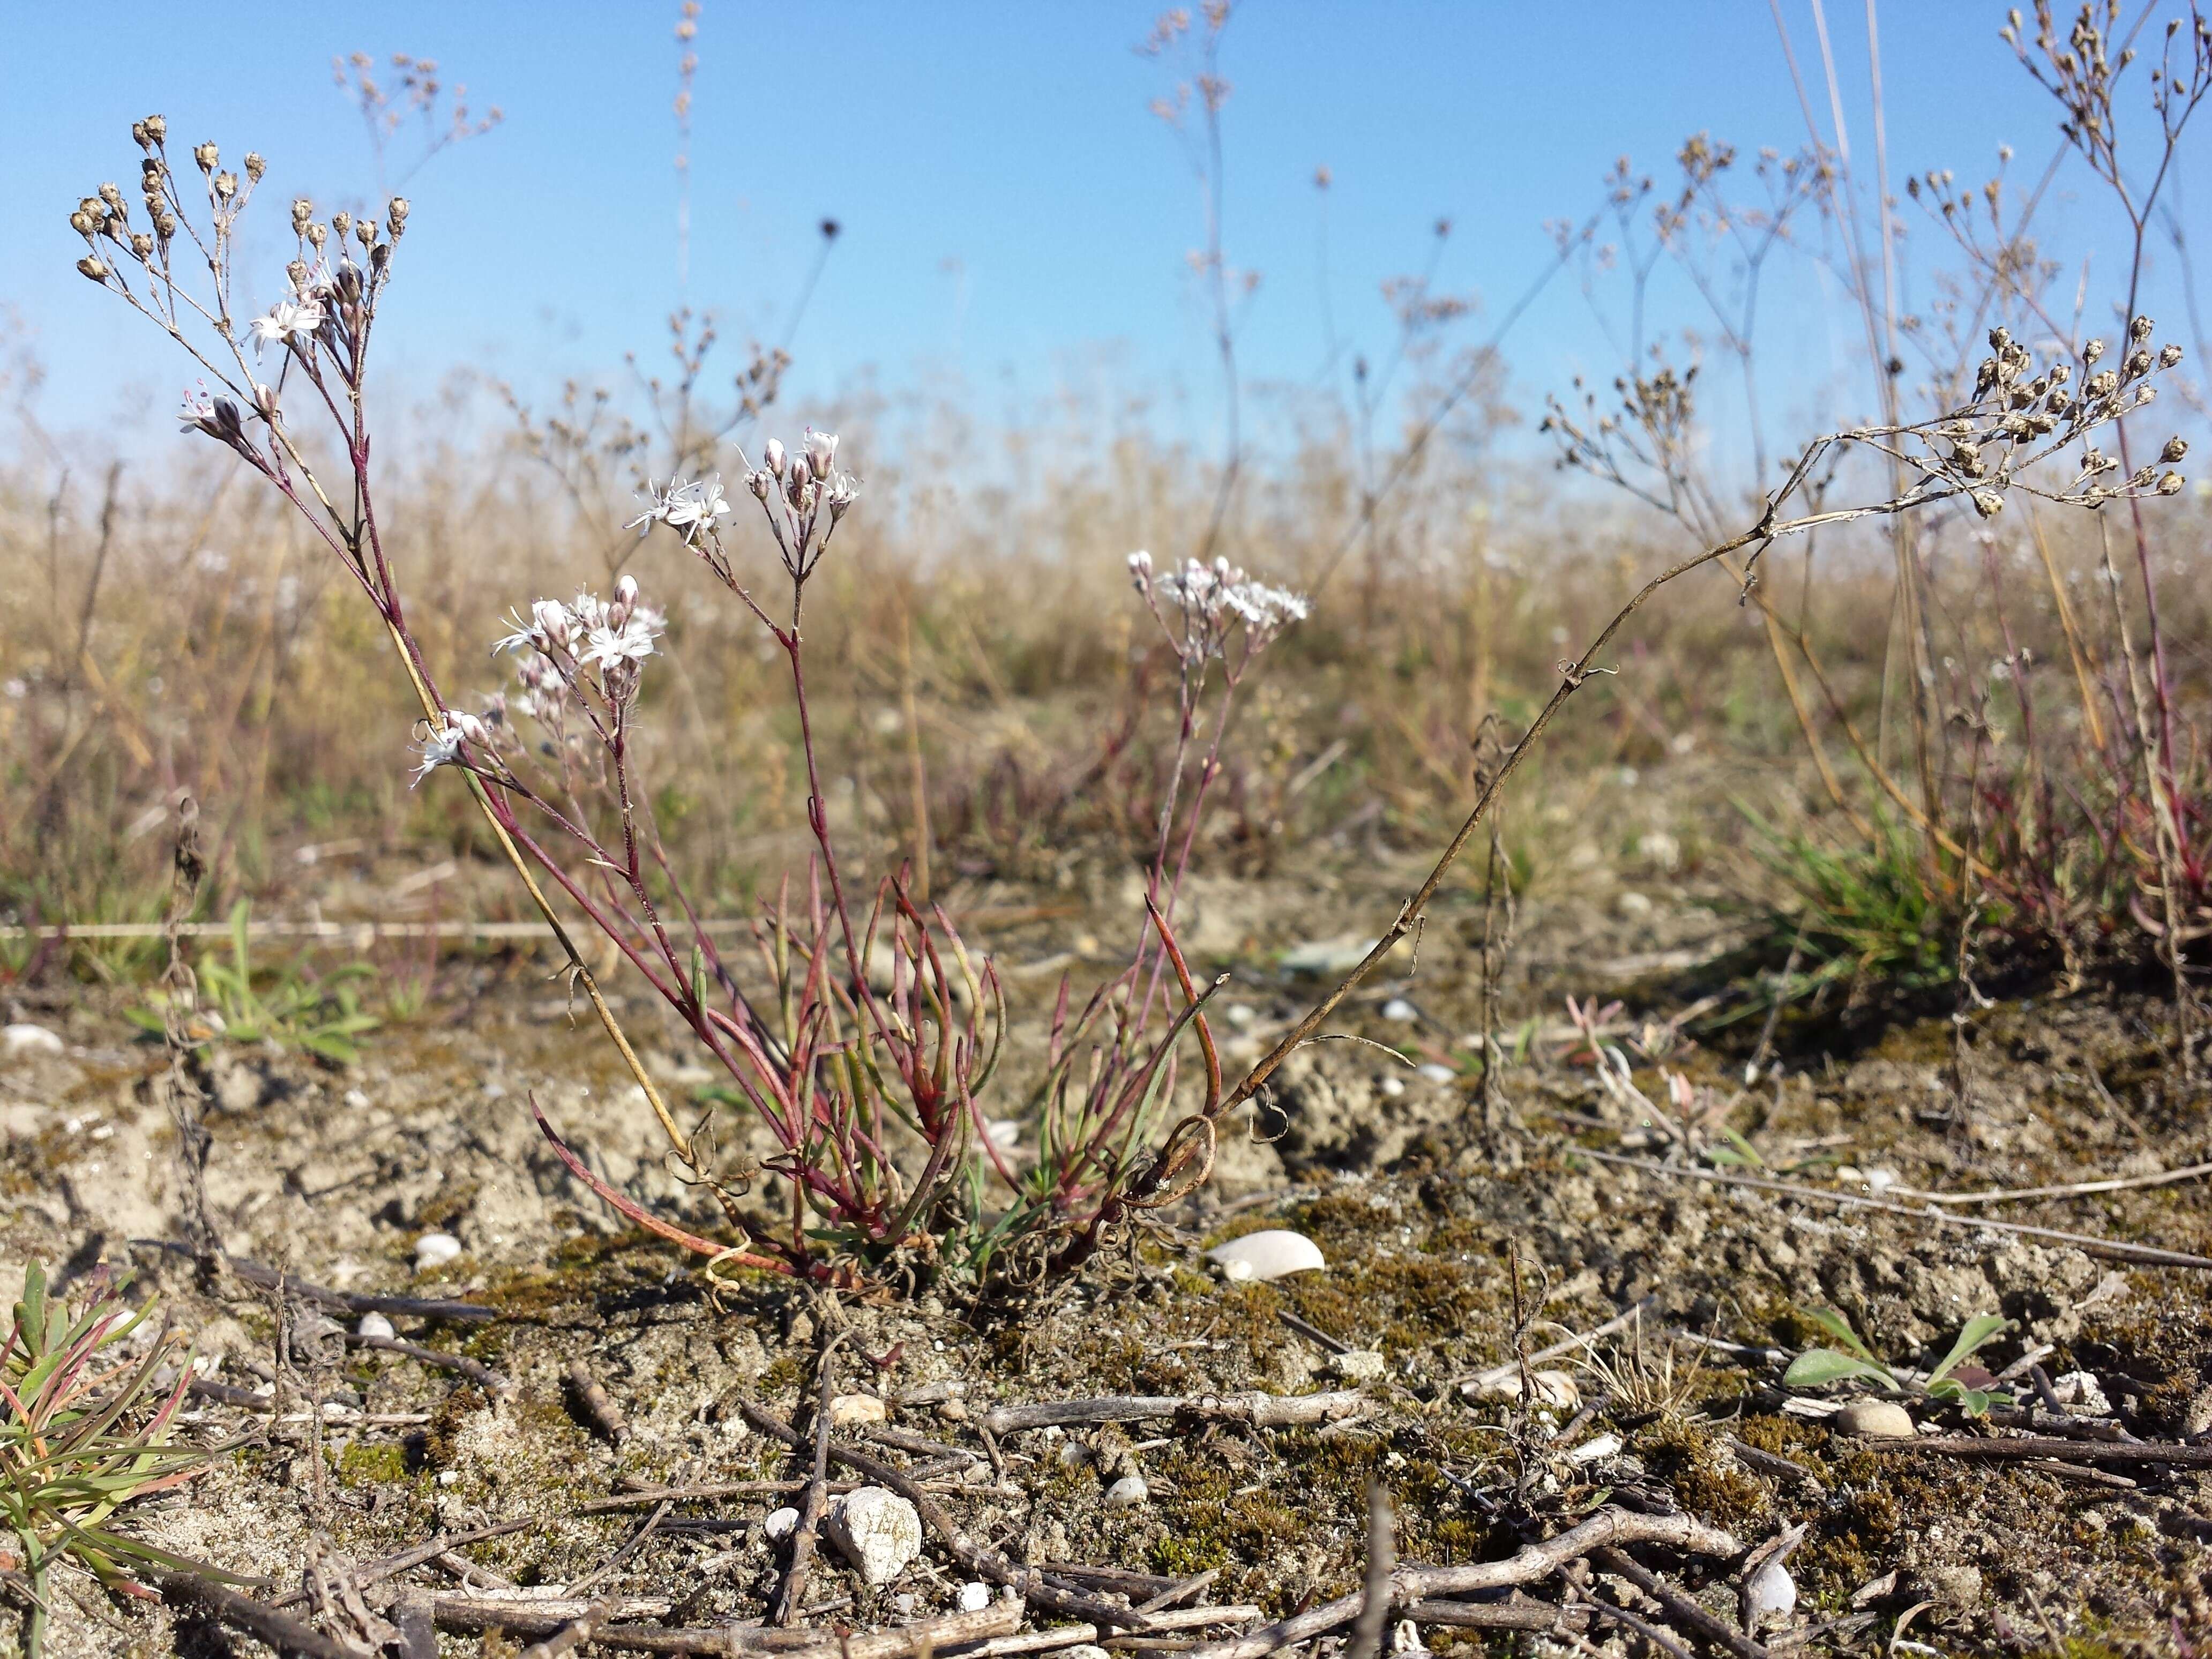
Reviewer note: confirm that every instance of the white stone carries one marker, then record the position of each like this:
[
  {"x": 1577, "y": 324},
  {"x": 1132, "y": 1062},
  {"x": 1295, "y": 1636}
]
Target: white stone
[
  {"x": 975, "y": 1596},
  {"x": 1772, "y": 1592},
  {"x": 1392, "y": 1087},
  {"x": 2083, "y": 1393},
  {"x": 1273, "y": 1253},
  {"x": 878, "y": 1531},
  {"x": 1240, "y": 1014},
  {"x": 779, "y": 1524},
  {"x": 848, "y": 1409},
  {"x": 434, "y": 1250},
  {"x": 1085, "y": 1650},
  {"x": 1555, "y": 1388},
  {"x": 1594, "y": 1449},
  {"x": 355, "y": 1100},
  {"x": 1398, "y": 1008},
  {"x": 1127, "y": 1492},
  {"x": 376, "y": 1325},
  {"x": 1340, "y": 954},
  {"x": 29, "y": 1040},
  {"x": 1436, "y": 1073},
  {"x": 1360, "y": 1365},
  {"x": 1876, "y": 1420},
  {"x": 1003, "y": 1133}
]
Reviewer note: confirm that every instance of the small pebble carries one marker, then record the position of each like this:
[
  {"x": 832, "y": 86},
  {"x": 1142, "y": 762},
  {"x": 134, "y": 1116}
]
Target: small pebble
[
  {"x": 1003, "y": 1133},
  {"x": 1240, "y": 1014},
  {"x": 780, "y": 1524},
  {"x": 2081, "y": 1392},
  {"x": 904, "y": 1603},
  {"x": 1555, "y": 1388},
  {"x": 1360, "y": 1365},
  {"x": 1073, "y": 1455},
  {"x": 1392, "y": 1087},
  {"x": 975, "y": 1596},
  {"x": 376, "y": 1325},
  {"x": 1772, "y": 1592},
  {"x": 1085, "y": 1650},
  {"x": 29, "y": 1040},
  {"x": 878, "y": 1531},
  {"x": 355, "y": 1100},
  {"x": 434, "y": 1250},
  {"x": 1398, "y": 1008},
  {"x": 848, "y": 1409},
  {"x": 1876, "y": 1420},
  {"x": 1272, "y": 1254},
  {"x": 1594, "y": 1449},
  {"x": 1436, "y": 1073},
  {"x": 1127, "y": 1492}
]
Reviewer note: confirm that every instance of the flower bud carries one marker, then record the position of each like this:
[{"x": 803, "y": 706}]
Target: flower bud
[
  {"x": 626, "y": 590},
  {"x": 799, "y": 473},
  {"x": 821, "y": 452},
  {"x": 255, "y": 167},
  {"x": 551, "y": 617},
  {"x": 772, "y": 456},
  {"x": 208, "y": 156},
  {"x": 264, "y": 399}
]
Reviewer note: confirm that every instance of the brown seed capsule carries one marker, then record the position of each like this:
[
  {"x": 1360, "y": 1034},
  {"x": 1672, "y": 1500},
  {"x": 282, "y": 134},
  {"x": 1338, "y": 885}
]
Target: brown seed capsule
[
  {"x": 2169, "y": 356},
  {"x": 2092, "y": 351},
  {"x": 84, "y": 224},
  {"x": 302, "y": 211},
  {"x": 165, "y": 225},
  {"x": 112, "y": 196},
  {"x": 91, "y": 266},
  {"x": 341, "y": 221},
  {"x": 1988, "y": 503},
  {"x": 298, "y": 271},
  {"x": 142, "y": 245},
  {"x": 138, "y": 131},
  {"x": 157, "y": 128},
  {"x": 208, "y": 156},
  {"x": 255, "y": 167},
  {"x": 226, "y": 185},
  {"x": 2140, "y": 329},
  {"x": 2175, "y": 449},
  {"x": 318, "y": 234},
  {"x": 2170, "y": 484}
]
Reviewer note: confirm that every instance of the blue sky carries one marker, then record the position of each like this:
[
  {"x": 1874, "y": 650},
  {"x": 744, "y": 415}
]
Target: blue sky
[{"x": 1011, "y": 212}]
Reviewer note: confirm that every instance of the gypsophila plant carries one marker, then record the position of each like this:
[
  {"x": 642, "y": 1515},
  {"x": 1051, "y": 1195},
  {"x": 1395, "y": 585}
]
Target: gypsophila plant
[
  {"x": 867, "y": 1060},
  {"x": 84, "y": 1430}
]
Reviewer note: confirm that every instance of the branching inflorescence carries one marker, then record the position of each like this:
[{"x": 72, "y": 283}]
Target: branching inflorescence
[{"x": 865, "y": 1042}]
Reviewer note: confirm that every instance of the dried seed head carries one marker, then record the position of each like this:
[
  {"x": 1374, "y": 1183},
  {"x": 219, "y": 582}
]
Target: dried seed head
[
  {"x": 138, "y": 131},
  {"x": 141, "y": 244},
  {"x": 2137, "y": 365},
  {"x": 255, "y": 167},
  {"x": 395, "y": 211},
  {"x": 208, "y": 156},
  {"x": 364, "y": 232},
  {"x": 165, "y": 224},
  {"x": 226, "y": 185},
  {"x": 157, "y": 128},
  {"x": 2174, "y": 450},
  {"x": 113, "y": 195},
  {"x": 303, "y": 211},
  {"x": 84, "y": 224},
  {"x": 92, "y": 266},
  {"x": 1988, "y": 503},
  {"x": 2170, "y": 484},
  {"x": 2139, "y": 329},
  {"x": 2103, "y": 383},
  {"x": 2061, "y": 373},
  {"x": 2092, "y": 351},
  {"x": 2169, "y": 356},
  {"x": 341, "y": 221},
  {"x": 318, "y": 234},
  {"x": 299, "y": 273}
]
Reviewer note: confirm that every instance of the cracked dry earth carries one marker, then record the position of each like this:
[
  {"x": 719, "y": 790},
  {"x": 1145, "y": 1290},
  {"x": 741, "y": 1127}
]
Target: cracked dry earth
[{"x": 1425, "y": 1228}]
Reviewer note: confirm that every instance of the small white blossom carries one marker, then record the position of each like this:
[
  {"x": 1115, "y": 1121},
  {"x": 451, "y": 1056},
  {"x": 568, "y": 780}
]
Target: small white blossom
[
  {"x": 288, "y": 319},
  {"x": 611, "y": 648},
  {"x": 685, "y": 507},
  {"x": 440, "y": 746},
  {"x": 821, "y": 452}
]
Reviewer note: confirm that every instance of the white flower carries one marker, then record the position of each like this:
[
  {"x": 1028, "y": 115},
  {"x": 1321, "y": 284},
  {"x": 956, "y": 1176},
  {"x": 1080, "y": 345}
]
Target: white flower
[
  {"x": 821, "y": 452},
  {"x": 440, "y": 746},
  {"x": 1141, "y": 566},
  {"x": 288, "y": 319},
  {"x": 685, "y": 507},
  {"x": 610, "y": 648}
]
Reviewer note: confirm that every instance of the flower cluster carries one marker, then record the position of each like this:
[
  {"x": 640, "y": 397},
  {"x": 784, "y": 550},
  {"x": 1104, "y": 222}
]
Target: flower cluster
[
  {"x": 1210, "y": 600},
  {"x": 804, "y": 496},
  {"x": 561, "y": 645}
]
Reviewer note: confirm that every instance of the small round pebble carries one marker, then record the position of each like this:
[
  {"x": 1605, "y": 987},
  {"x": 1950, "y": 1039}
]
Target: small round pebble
[
  {"x": 376, "y": 1325},
  {"x": 435, "y": 1250},
  {"x": 975, "y": 1596},
  {"x": 1127, "y": 1492},
  {"x": 848, "y": 1409},
  {"x": 878, "y": 1531},
  {"x": 1771, "y": 1591},
  {"x": 1398, "y": 1008},
  {"x": 1876, "y": 1420},
  {"x": 780, "y": 1524}
]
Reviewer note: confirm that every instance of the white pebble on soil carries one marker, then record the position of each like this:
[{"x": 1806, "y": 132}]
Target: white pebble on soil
[
  {"x": 1596, "y": 1449},
  {"x": 1435, "y": 1073},
  {"x": 1877, "y": 1419},
  {"x": 29, "y": 1040},
  {"x": 975, "y": 1596},
  {"x": 779, "y": 1524},
  {"x": 1273, "y": 1253},
  {"x": 878, "y": 1531},
  {"x": 435, "y": 1250},
  {"x": 1127, "y": 1492},
  {"x": 1398, "y": 1008},
  {"x": 848, "y": 1409},
  {"x": 2080, "y": 1391},
  {"x": 1772, "y": 1592},
  {"x": 1360, "y": 1365},
  {"x": 376, "y": 1325}
]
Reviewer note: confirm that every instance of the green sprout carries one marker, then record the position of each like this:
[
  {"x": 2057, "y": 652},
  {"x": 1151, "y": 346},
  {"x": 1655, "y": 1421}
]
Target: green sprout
[
  {"x": 81, "y": 1436},
  {"x": 1820, "y": 1368},
  {"x": 321, "y": 1014}
]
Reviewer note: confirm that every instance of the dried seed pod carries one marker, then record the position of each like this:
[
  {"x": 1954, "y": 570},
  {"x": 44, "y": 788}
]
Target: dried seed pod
[
  {"x": 1988, "y": 503},
  {"x": 2170, "y": 484},
  {"x": 157, "y": 128},
  {"x": 91, "y": 265},
  {"x": 2140, "y": 329},
  {"x": 141, "y": 244},
  {"x": 226, "y": 185},
  {"x": 341, "y": 221},
  {"x": 2169, "y": 355},
  {"x": 255, "y": 167},
  {"x": 303, "y": 212},
  {"x": 2092, "y": 351},
  {"x": 2176, "y": 447},
  {"x": 208, "y": 156}
]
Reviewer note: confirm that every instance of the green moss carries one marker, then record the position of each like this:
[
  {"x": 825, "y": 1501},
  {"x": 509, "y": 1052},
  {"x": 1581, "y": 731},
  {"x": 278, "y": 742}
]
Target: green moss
[{"x": 381, "y": 1463}]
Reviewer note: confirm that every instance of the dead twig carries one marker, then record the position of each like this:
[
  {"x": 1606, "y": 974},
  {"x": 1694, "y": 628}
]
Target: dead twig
[
  {"x": 2073, "y": 1189},
  {"x": 2113, "y": 1249},
  {"x": 390, "y": 1566},
  {"x": 925, "y": 1637},
  {"x": 476, "y": 1370},
  {"x": 268, "y": 1279},
  {"x": 785, "y": 1605},
  {"x": 1681, "y": 1611},
  {"x": 570, "y": 1637},
  {"x": 1533, "y": 1562},
  {"x": 1254, "y": 1410},
  {"x": 1368, "y": 1630},
  {"x": 1497, "y": 1374},
  {"x": 257, "y": 1618},
  {"x": 597, "y": 1405},
  {"x": 2048, "y": 1448}
]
